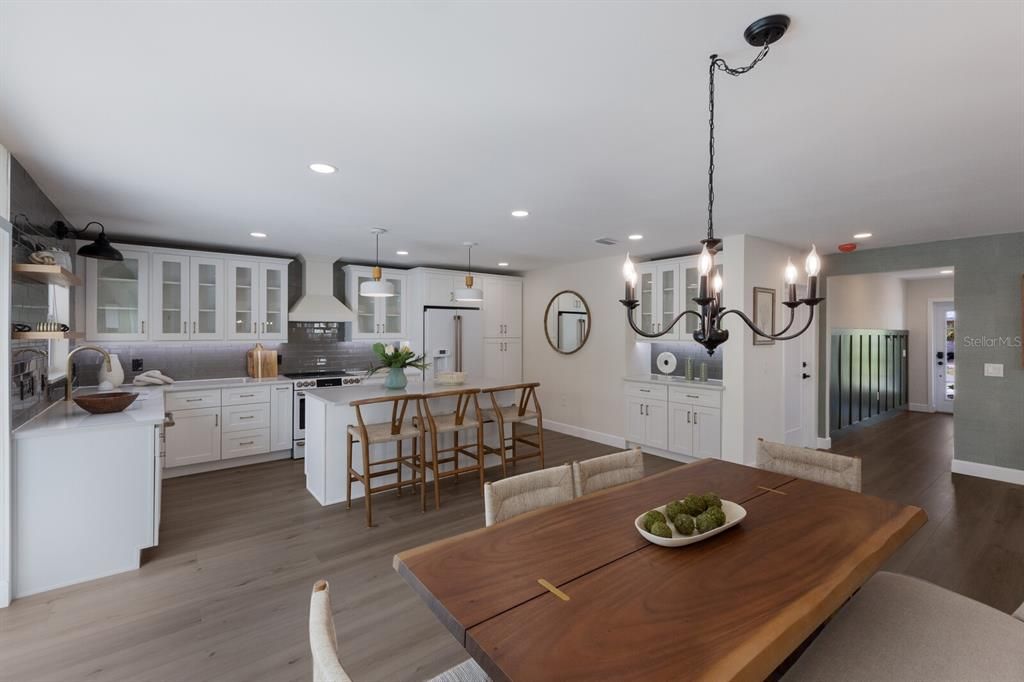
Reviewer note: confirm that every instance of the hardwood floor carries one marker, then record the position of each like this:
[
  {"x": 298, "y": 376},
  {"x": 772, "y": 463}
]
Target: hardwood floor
[
  {"x": 225, "y": 595},
  {"x": 973, "y": 542}
]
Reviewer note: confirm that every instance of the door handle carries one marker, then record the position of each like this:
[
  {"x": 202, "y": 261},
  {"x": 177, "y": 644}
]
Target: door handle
[
  {"x": 805, "y": 375},
  {"x": 641, "y": 409},
  {"x": 647, "y": 410},
  {"x": 695, "y": 417},
  {"x": 687, "y": 416}
]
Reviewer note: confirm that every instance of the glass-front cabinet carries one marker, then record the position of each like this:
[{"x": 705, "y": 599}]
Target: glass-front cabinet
[
  {"x": 665, "y": 289},
  {"x": 170, "y": 297},
  {"x": 206, "y": 300},
  {"x": 117, "y": 297},
  {"x": 257, "y": 301},
  {"x": 377, "y": 318}
]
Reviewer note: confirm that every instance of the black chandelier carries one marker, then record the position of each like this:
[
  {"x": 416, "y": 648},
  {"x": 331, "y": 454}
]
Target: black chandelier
[{"x": 762, "y": 33}]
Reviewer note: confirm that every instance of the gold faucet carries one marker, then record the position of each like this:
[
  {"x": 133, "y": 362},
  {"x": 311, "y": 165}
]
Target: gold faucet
[{"x": 69, "y": 378}]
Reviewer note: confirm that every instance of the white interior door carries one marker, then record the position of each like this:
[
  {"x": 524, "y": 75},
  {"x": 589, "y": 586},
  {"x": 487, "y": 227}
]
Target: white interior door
[
  {"x": 943, "y": 357},
  {"x": 800, "y": 381}
]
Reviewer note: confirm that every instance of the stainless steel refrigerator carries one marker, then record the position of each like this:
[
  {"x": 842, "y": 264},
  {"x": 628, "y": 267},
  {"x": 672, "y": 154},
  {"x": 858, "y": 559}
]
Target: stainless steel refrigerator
[{"x": 453, "y": 340}]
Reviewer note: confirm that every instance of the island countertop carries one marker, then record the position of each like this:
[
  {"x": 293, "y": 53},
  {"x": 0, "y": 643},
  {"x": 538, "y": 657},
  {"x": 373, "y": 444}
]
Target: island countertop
[{"x": 343, "y": 395}]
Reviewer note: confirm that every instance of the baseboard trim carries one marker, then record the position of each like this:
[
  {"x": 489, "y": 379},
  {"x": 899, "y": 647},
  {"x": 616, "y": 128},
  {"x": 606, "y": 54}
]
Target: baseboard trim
[
  {"x": 825, "y": 443},
  {"x": 217, "y": 465},
  {"x": 588, "y": 434},
  {"x": 920, "y": 407},
  {"x": 990, "y": 471}
]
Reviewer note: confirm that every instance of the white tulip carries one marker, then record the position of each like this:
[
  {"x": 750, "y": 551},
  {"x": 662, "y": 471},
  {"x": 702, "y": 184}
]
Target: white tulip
[
  {"x": 406, "y": 346},
  {"x": 389, "y": 349}
]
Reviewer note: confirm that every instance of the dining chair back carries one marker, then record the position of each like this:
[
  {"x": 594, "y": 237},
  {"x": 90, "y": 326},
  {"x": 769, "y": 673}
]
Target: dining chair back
[
  {"x": 323, "y": 641},
  {"x": 517, "y": 495},
  {"x": 510, "y": 418},
  {"x": 465, "y": 417},
  {"x": 819, "y": 466},
  {"x": 607, "y": 471},
  {"x": 398, "y": 429}
]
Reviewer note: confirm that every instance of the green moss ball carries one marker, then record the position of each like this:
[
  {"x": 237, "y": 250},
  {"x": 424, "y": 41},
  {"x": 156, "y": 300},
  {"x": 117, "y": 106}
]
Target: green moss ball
[
  {"x": 673, "y": 509},
  {"x": 652, "y": 517},
  {"x": 661, "y": 529},
  {"x": 694, "y": 504},
  {"x": 684, "y": 524},
  {"x": 710, "y": 519},
  {"x": 712, "y": 500}
]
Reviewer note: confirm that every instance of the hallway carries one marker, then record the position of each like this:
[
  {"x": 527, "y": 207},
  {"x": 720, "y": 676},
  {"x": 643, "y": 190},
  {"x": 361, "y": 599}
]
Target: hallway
[{"x": 973, "y": 542}]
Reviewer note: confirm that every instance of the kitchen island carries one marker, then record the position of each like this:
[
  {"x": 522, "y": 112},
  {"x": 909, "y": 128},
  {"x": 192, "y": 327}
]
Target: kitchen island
[{"x": 328, "y": 415}]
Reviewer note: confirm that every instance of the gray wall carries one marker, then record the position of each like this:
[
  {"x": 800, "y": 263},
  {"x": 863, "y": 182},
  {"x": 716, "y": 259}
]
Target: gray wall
[{"x": 989, "y": 412}]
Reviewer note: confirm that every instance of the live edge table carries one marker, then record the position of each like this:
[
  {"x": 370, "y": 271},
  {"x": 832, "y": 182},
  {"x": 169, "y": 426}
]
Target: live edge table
[{"x": 732, "y": 607}]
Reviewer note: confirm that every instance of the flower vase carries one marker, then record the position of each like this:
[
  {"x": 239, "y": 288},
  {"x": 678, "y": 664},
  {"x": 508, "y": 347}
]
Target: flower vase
[
  {"x": 396, "y": 378},
  {"x": 116, "y": 374}
]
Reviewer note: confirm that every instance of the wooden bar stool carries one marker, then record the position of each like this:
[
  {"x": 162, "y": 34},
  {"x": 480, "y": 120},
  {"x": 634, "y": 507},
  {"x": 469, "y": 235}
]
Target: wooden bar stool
[
  {"x": 396, "y": 431},
  {"x": 515, "y": 415},
  {"x": 462, "y": 419}
]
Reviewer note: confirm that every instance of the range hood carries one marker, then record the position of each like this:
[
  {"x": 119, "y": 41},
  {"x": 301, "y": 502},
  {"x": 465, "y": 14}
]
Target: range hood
[{"x": 318, "y": 303}]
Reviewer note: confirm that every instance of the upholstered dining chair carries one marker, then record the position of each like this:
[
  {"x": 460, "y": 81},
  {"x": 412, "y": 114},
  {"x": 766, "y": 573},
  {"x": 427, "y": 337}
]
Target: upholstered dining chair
[
  {"x": 400, "y": 428},
  {"x": 510, "y": 419},
  {"x": 819, "y": 466},
  {"x": 323, "y": 644},
  {"x": 517, "y": 495},
  {"x": 607, "y": 471},
  {"x": 902, "y": 628}
]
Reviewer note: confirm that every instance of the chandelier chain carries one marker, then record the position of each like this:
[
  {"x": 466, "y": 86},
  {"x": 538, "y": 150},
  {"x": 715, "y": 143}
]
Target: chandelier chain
[{"x": 719, "y": 64}]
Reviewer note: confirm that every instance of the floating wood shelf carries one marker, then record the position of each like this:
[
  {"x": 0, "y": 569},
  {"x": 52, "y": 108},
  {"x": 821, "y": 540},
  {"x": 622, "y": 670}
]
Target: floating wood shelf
[
  {"x": 46, "y": 336},
  {"x": 47, "y": 274}
]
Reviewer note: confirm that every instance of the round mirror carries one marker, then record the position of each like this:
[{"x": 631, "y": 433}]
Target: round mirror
[{"x": 567, "y": 322}]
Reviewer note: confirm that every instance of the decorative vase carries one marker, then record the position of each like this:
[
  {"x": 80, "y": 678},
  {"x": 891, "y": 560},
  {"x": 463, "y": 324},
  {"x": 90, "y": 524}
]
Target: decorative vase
[
  {"x": 116, "y": 374},
  {"x": 396, "y": 378}
]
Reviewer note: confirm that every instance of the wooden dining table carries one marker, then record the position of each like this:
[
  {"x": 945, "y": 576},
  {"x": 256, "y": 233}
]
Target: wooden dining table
[{"x": 573, "y": 592}]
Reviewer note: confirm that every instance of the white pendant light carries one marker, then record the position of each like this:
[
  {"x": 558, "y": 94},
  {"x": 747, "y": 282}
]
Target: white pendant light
[
  {"x": 377, "y": 287},
  {"x": 469, "y": 294}
]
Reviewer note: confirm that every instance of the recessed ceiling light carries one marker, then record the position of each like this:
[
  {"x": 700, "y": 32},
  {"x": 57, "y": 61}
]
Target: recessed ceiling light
[
  {"x": 862, "y": 235},
  {"x": 503, "y": 264},
  {"x": 325, "y": 168},
  {"x": 635, "y": 237},
  {"x": 945, "y": 272},
  {"x": 258, "y": 235},
  {"x": 401, "y": 253},
  {"x": 520, "y": 213}
]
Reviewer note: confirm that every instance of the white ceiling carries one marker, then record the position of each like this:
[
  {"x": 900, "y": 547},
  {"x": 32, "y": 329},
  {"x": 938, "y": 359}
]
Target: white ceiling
[{"x": 196, "y": 122}]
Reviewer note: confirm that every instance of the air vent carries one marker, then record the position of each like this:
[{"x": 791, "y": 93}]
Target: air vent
[{"x": 606, "y": 241}]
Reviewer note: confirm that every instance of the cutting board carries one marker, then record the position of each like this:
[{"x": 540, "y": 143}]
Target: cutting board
[{"x": 261, "y": 363}]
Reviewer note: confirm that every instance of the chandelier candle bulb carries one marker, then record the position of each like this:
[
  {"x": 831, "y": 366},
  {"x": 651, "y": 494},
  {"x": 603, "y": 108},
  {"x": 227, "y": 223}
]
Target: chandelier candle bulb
[{"x": 791, "y": 280}]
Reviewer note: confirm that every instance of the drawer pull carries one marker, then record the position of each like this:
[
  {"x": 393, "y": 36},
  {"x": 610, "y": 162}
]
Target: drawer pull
[
  {"x": 193, "y": 400},
  {"x": 692, "y": 396},
  {"x": 251, "y": 416},
  {"x": 248, "y": 442},
  {"x": 246, "y": 395},
  {"x": 645, "y": 390}
]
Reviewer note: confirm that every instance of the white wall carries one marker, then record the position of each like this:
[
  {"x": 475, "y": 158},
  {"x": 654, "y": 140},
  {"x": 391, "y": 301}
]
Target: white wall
[
  {"x": 753, "y": 375},
  {"x": 873, "y": 301},
  {"x": 916, "y": 304},
  {"x": 582, "y": 390}
]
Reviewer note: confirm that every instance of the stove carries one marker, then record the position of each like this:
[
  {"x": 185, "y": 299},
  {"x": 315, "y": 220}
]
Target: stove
[{"x": 304, "y": 380}]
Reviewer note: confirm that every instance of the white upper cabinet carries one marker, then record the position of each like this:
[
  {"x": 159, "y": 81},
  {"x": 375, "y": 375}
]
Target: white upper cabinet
[
  {"x": 117, "y": 297},
  {"x": 377, "y": 318},
  {"x": 158, "y": 294},
  {"x": 502, "y": 307},
  {"x": 439, "y": 289},
  {"x": 665, "y": 289},
  {"x": 257, "y": 302},
  {"x": 187, "y": 295}
]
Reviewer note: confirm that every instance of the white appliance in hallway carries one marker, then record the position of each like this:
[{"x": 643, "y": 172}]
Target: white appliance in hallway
[{"x": 453, "y": 340}]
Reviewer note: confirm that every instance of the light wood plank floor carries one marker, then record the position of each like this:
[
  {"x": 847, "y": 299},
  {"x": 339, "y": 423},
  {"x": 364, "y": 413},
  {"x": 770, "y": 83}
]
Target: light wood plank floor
[{"x": 225, "y": 595}]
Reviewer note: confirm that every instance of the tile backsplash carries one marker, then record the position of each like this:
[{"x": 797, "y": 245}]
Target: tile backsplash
[
  {"x": 688, "y": 350},
  {"x": 310, "y": 347}
]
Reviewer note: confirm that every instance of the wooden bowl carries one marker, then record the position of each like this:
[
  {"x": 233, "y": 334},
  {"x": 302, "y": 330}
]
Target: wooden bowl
[{"x": 105, "y": 403}]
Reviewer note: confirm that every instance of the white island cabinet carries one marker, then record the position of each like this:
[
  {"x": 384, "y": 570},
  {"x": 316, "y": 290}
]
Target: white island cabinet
[
  {"x": 86, "y": 492},
  {"x": 328, "y": 415}
]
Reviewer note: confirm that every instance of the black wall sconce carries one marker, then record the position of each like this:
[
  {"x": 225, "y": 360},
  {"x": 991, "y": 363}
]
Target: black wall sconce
[{"x": 100, "y": 249}]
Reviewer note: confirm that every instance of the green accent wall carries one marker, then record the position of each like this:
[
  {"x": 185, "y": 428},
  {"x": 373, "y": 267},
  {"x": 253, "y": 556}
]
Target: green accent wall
[{"x": 989, "y": 413}]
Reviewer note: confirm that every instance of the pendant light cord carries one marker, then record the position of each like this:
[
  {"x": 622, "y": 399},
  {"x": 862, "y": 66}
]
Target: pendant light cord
[{"x": 719, "y": 64}]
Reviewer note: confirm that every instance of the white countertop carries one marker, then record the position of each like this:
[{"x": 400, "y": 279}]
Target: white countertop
[
  {"x": 220, "y": 383},
  {"x": 711, "y": 384},
  {"x": 61, "y": 417},
  {"x": 343, "y": 395}
]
